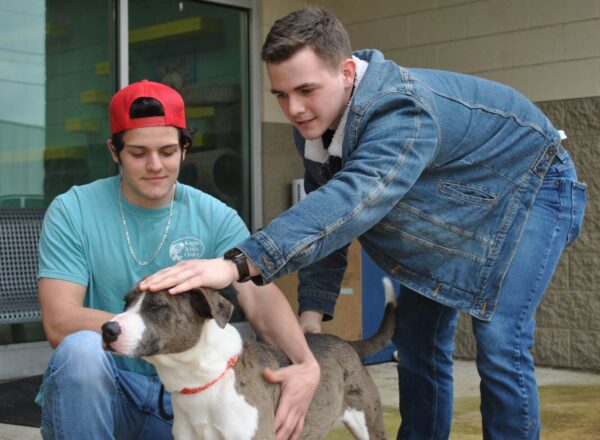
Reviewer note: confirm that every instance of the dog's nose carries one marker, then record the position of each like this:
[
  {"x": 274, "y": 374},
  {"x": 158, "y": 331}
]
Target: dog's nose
[{"x": 110, "y": 331}]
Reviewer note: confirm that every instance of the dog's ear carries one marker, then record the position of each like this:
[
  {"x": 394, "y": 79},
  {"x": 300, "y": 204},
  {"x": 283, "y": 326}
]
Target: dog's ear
[
  {"x": 131, "y": 296},
  {"x": 210, "y": 304}
]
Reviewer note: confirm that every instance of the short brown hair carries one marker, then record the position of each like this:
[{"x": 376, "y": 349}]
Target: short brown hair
[{"x": 308, "y": 27}]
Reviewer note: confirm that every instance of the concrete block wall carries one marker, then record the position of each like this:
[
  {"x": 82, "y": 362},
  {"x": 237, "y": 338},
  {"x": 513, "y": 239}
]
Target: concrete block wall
[
  {"x": 280, "y": 160},
  {"x": 568, "y": 328},
  {"x": 271, "y": 11},
  {"x": 547, "y": 49}
]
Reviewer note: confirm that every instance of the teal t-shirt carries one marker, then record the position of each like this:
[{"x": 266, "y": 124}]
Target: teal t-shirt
[{"x": 83, "y": 241}]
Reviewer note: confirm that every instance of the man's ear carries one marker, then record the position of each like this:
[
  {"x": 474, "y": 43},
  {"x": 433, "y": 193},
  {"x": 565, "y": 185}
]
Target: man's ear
[
  {"x": 209, "y": 303},
  {"x": 113, "y": 151},
  {"x": 348, "y": 67}
]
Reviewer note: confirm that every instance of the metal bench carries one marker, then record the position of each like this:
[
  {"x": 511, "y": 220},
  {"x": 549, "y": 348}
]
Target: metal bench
[{"x": 19, "y": 235}]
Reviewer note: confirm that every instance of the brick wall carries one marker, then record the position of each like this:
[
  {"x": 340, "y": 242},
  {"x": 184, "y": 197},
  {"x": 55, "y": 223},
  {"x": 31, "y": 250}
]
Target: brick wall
[
  {"x": 568, "y": 328},
  {"x": 280, "y": 164},
  {"x": 547, "y": 49}
]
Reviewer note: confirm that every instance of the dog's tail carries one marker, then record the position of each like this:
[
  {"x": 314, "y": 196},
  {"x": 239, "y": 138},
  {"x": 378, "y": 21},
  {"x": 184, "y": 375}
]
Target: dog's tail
[{"x": 384, "y": 334}]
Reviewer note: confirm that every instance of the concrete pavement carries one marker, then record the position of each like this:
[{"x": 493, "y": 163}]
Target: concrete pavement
[{"x": 465, "y": 377}]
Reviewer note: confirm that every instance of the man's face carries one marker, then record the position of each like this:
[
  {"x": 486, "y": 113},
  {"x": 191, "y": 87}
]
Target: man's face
[
  {"x": 150, "y": 162},
  {"x": 311, "y": 94}
]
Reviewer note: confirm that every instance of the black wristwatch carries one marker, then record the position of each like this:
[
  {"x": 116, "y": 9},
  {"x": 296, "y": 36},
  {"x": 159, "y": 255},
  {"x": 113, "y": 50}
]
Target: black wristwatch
[{"x": 240, "y": 261}]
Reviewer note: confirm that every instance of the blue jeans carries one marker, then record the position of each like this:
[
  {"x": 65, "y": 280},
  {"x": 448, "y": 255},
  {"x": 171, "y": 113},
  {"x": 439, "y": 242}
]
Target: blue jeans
[
  {"x": 425, "y": 329},
  {"x": 85, "y": 396}
]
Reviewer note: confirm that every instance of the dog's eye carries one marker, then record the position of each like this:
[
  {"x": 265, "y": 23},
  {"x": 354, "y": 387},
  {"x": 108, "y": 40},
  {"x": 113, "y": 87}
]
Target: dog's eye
[{"x": 157, "y": 306}]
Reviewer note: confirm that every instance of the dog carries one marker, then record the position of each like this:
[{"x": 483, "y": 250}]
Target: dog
[{"x": 215, "y": 377}]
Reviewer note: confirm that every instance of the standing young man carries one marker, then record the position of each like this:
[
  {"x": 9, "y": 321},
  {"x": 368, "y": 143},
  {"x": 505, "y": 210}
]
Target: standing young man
[
  {"x": 458, "y": 187},
  {"x": 100, "y": 239}
]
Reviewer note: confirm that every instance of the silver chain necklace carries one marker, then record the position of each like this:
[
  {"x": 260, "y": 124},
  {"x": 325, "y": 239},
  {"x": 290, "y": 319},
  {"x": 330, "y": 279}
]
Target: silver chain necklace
[{"x": 164, "y": 236}]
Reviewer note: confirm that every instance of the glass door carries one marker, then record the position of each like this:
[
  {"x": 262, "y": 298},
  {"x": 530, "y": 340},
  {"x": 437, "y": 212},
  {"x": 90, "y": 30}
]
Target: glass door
[{"x": 201, "y": 50}]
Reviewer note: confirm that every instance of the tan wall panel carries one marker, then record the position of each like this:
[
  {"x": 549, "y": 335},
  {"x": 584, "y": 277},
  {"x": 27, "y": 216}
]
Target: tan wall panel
[{"x": 347, "y": 322}]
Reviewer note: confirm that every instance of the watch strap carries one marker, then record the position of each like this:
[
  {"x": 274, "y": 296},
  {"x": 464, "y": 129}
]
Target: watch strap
[{"x": 241, "y": 263}]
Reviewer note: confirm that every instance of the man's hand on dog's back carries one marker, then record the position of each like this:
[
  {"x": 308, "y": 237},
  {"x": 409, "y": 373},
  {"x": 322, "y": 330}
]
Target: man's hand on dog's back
[{"x": 298, "y": 384}]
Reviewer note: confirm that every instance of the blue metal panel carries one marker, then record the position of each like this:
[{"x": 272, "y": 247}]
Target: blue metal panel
[{"x": 373, "y": 301}]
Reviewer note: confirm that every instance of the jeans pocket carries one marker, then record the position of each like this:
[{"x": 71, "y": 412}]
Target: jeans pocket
[{"x": 578, "y": 203}]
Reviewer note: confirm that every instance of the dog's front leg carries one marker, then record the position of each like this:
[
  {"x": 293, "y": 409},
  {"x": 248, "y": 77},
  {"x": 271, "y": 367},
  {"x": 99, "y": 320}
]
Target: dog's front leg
[{"x": 184, "y": 431}]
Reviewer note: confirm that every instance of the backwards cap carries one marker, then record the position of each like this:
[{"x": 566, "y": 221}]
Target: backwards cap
[{"x": 120, "y": 106}]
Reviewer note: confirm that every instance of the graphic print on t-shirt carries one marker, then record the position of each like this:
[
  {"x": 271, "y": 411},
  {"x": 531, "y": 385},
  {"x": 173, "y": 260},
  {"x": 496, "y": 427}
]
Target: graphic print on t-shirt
[{"x": 187, "y": 248}]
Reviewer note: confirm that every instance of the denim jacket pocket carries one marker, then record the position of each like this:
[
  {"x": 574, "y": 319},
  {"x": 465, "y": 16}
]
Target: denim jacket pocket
[{"x": 468, "y": 194}]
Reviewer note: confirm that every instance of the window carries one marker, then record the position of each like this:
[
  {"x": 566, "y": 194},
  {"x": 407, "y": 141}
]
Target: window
[{"x": 201, "y": 50}]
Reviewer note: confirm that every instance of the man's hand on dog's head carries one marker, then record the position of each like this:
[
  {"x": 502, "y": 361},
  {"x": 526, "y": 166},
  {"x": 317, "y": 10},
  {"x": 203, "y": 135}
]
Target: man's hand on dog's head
[{"x": 192, "y": 274}]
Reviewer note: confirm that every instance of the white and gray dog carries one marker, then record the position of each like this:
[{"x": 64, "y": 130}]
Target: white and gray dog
[{"x": 215, "y": 377}]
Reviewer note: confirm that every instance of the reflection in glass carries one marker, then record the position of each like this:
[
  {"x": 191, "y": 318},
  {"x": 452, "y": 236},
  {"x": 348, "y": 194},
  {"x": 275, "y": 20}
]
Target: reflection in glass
[
  {"x": 22, "y": 113},
  {"x": 201, "y": 51},
  {"x": 79, "y": 82}
]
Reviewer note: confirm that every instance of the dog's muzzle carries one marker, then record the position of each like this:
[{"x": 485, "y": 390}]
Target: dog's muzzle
[{"x": 110, "y": 332}]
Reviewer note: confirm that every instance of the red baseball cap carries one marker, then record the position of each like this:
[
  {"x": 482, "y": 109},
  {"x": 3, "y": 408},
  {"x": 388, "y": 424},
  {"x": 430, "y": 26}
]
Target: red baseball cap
[{"x": 170, "y": 99}]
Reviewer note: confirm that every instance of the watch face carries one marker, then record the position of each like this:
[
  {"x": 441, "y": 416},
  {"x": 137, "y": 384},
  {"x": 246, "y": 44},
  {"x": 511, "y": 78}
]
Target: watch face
[
  {"x": 239, "y": 259},
  {"x": 231, "y": 254}
]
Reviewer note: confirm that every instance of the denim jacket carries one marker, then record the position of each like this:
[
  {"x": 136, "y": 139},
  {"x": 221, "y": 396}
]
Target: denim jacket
[{"x": 438, "y": 173}]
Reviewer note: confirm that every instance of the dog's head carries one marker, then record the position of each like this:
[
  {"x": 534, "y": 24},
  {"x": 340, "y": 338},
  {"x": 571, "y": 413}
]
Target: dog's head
[{"x": 161, "y": 323}]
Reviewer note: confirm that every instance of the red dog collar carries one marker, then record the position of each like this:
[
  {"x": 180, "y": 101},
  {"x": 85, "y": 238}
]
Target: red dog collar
[{"x": 230, "y": 363}]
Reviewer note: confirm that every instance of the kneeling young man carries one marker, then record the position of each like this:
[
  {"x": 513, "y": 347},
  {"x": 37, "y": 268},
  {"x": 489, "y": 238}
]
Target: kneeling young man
[{"x": 100, "y": 239}]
